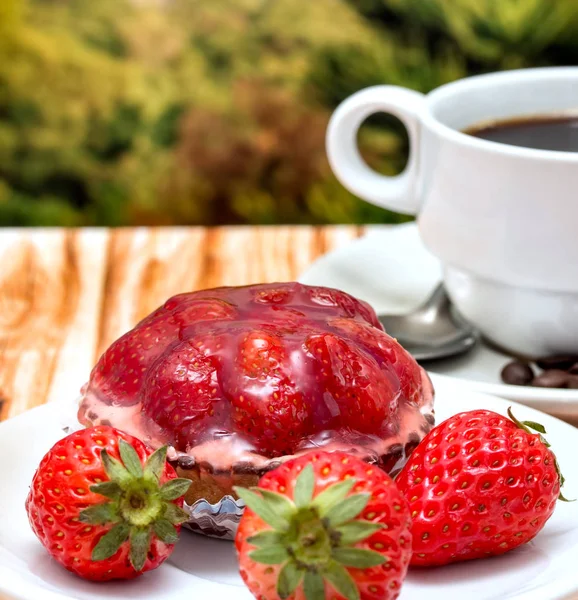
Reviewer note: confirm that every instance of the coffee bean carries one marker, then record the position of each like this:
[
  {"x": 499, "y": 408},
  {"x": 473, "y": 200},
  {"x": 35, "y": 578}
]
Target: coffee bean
[
  {"x": 517, "y": 373},
  {"x": 552, "y": 378},
  {"x": 563, "y": 361}
]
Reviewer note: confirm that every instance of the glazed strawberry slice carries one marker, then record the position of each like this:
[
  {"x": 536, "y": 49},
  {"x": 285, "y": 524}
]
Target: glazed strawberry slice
[
  {"x": 350, "y": 306},
  {"x": 330, "y": 300},
  {"x": 267, "y": 405},
  {"x": 352, "y": 391},
  {"x": 387, "y": 351},
  {"x": 118, "y": 377},
  {"x": 181, "y": 395},
  {"x": 187, "y": 309},
  {"x": 273, "y": 295}
]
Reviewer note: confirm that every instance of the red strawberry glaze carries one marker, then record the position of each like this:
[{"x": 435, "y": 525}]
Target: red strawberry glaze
[{"x": 263, "y": 372}]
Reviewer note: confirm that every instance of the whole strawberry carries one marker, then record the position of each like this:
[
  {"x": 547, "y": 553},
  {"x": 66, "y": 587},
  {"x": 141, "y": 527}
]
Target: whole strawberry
[
  {"x": 103, "y": 510},
  {"x": 324, "y": 525},
  {"x": 478, "y": 485}
]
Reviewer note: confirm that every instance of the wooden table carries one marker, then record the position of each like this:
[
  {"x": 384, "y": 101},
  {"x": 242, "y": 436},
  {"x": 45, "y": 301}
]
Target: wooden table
[{"x": 65, "y": 295}]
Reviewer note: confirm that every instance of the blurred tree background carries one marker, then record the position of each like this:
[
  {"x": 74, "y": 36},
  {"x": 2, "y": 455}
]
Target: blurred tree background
[{"x": 119, "y": 112}]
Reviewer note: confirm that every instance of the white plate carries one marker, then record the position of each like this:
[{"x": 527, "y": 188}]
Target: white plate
[
  {"x": 392, "y": 270},
  {"x": 205, "y": 569}
]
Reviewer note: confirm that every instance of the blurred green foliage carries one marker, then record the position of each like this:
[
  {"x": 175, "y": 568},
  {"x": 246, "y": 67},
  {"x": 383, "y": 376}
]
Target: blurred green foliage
[{"x": 118, "y": 112}]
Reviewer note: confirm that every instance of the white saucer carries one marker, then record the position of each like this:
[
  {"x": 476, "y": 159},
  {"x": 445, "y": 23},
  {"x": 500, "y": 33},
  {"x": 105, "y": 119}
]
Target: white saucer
[
  {"x": 392, "y": 270},
  {"x": 206, "y": 569}
]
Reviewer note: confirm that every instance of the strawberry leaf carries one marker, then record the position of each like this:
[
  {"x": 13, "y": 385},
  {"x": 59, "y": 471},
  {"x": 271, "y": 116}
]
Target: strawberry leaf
[
  {"x": 535, "y": 426},
  {"x": 109, "y": 489},
  {"x": 356, "y": 531},
  {"x": 525, "y": 425},
  {"x": 139, "y": 545},
  {"x": 561, "y": 496},
  {"x": 156, "y": 464},
  {"x": 264, "y": 538},
  {"x": 341, "y": 580},
  {"x": 100, "y": 514},
  {"x": 304, "y": 485},
  {"x": 289, "y": 578},
  {"x": 165, "y": 531},
  {"x": 332, "y": 496},
  {"x": 358, "y": 558},
  {"x": 110, "y": 542},
  {"x": 175, "y": 488},
  {"x": 348, "y": 509},
  {"x": 175, "y": 514},
  {"x": 313, "y": 586},
  {"x": 130, "y": 458},
  {"x": 279, "y": 503},
  {"x": 261, "y": 507},
  {"x": 270, "y": 555},
  {"x": 114, "y": 468}
]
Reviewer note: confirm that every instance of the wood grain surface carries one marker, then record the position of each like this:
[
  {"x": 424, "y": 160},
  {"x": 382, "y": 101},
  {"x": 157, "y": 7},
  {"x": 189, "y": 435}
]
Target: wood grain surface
[{"x": 65, "y": 295}]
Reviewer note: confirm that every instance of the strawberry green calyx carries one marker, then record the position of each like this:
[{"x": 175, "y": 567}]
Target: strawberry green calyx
[
  {"x": 313, "y": 538},
  {"x": 138, "y": 507},
  {"x": 531, "y": 427}
]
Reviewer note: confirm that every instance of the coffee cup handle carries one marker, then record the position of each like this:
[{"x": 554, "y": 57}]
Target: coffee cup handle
[{"x": 398, "y": 193}]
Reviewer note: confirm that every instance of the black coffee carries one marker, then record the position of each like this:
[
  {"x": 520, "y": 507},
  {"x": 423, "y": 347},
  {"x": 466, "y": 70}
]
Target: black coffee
[{"x": 545, "y": 132}]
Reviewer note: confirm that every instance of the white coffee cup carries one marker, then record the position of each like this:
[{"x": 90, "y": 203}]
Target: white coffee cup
[{"x": 503, "y": 219}]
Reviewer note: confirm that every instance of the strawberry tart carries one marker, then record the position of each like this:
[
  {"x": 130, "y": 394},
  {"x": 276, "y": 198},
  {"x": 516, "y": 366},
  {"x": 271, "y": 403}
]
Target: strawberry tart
[{"x": 238, "y": 379}]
